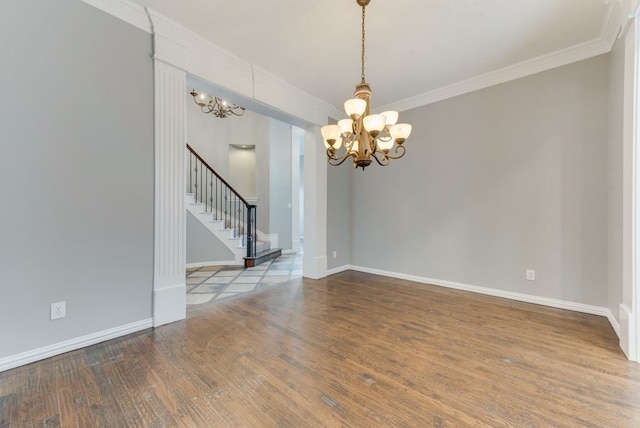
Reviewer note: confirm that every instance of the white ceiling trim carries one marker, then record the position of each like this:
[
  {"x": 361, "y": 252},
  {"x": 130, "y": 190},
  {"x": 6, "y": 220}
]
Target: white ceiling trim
[
  {"x": 181, "y": 47},
  {"x": 615, "y": 20},
  {"x": 212, "y": 63},
  {"x": 630, "y": 11},
  {"x": 603, "y": 44},
  {"x": 523, "y": 69},
  {"x": 125, "y": 10}
]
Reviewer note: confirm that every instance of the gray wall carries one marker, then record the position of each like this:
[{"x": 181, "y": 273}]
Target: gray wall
[
  {"x": 203, "y": 246},
  {"x": 614, "y": 217},
  {"x": 76, "y": 133},
  {"x": 497, "y": 181},
  {"x": 210, "y": 136},
  {"x": 338, "y": 214},
  {"x": 280, "y": 213},
  {"x": 242, "y": 171}
]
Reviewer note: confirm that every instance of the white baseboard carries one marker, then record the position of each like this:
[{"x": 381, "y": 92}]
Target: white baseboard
[
  {"x": 314, "y": 267},
  {"x": 48, "y": 351},
  {"x": 527, "y": 298},
  {"x": 206, "y": 264},
  {"x": 169, "y": 304},
  {"x": 338, "y": 270},
  {"x": 628, "y": 333},
  {"x": 614, "y": 323}
]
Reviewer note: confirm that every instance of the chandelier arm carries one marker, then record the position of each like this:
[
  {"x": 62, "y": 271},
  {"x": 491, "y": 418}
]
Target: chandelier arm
[
  {"x": 237, "y": 114},
  {"x": 397, "y": 150},
  {"x": 335, "y": 160},
  {"x": 385, "y": 159}
]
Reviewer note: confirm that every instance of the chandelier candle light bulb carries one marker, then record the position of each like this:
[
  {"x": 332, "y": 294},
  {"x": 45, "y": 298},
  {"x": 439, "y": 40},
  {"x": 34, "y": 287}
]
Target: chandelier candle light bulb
[{"x": 366, "y": 137}]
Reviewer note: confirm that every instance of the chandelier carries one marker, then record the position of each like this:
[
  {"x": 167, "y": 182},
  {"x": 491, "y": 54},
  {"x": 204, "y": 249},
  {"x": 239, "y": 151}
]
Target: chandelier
[
  {"x": 216, "y": 106},
  {"x": 364, "y": 135}
]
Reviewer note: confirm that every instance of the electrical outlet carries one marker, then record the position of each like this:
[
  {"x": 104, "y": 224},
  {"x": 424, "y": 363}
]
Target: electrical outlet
[
  {"x": 530, "y": 275},
  {"x": 58, "y": 310},
  {"x": 335, "y": 254}
]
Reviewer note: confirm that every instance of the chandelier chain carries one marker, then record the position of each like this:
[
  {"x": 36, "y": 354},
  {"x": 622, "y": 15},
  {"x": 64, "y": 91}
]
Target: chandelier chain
[{"x": 362, "y": 55}]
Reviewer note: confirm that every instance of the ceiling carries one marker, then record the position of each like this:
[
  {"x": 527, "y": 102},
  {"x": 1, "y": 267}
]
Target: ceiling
[{"x": 413, "y": 46}]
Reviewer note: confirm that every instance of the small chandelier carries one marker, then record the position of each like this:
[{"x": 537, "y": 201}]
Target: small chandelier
[
  {"x": 364, "y": 135},
  {"x": 216, "y": 106}
]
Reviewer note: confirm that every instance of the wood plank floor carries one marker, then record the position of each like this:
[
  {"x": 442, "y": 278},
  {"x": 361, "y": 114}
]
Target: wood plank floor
[{"x": 353, "y": 350}]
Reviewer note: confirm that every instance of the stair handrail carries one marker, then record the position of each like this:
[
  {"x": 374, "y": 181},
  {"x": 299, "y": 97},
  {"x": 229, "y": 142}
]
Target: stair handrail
[
  {"x": 251, "y": 230},
  {"x": 204, "y": 162}
]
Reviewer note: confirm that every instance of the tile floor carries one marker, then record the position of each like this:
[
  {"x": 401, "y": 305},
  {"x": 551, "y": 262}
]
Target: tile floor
[{"x": 217, "y": 282}]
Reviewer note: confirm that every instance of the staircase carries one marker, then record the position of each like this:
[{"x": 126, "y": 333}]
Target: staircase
[{"x": 226, "y": 213}]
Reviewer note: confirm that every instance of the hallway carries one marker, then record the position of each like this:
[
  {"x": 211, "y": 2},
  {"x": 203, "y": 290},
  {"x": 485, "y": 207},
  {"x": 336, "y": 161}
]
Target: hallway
[{"x": 205, "y": 284}]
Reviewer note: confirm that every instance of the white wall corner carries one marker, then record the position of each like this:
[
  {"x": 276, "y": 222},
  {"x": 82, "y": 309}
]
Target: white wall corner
[
  {"x": 125, "y": 10},
  {"x": 48, "y": 351}
]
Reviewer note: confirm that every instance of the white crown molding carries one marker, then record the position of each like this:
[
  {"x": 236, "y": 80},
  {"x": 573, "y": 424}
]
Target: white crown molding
[
  {"x": 614, "y": 22},
  {"x": 179, "y": 46},
  {"x": 182, "y": 48},
  {"x": 23, "y": 358},
  {"x": 604, "y": 43},
  {"x": 506, "y": 74},
  {"x": 628, "y": 11},
  {"x": 125, "y": 10}
]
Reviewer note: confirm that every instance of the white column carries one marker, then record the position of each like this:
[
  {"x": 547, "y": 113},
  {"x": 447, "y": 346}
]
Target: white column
[
  {"x": 169, "y": 288},
  {"x": 315, "y": 205}
]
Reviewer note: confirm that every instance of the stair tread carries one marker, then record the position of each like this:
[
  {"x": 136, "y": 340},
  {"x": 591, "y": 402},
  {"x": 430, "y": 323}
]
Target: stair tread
[{"x": 265, "y": 253}]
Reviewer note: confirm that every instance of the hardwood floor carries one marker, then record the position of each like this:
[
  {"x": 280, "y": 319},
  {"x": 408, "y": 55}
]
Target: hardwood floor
[{"x": 352, "y": 350}]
